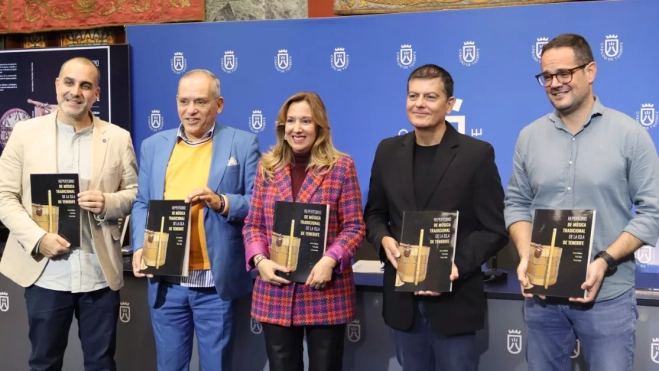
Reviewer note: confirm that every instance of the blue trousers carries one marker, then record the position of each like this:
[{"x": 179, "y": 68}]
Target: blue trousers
[
  {"x": 50, "y": 314},
  {"x": 606, "y": 331},
  {"x": 179, "y": 313},
  {"x": 421, "y": 349}
]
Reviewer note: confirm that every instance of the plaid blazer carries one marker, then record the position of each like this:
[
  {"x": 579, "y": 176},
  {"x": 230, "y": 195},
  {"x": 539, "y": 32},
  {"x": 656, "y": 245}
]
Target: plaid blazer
[{"x": 297, "y": 304}]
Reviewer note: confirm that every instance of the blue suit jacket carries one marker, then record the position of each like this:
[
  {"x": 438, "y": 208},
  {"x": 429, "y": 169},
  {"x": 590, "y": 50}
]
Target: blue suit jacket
[{"x": 223, "y": 233}]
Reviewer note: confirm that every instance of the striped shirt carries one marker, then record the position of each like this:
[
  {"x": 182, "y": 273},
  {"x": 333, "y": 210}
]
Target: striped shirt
[{"x": 195, "y": 278}]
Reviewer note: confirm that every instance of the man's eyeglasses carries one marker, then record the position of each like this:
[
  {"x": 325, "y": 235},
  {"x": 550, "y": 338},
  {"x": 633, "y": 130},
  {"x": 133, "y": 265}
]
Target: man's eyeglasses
[{"x": 563, "y": 76}]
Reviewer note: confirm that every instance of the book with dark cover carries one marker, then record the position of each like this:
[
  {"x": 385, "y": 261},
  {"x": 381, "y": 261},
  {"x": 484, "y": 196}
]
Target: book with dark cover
[
  {"x": 560, "y": 251},
  {"x": 55, "y": 204},
  {"x": 299, "y": 237},
  {"x": 166, "y": 250},
  {"x": 427, "y": 251}
]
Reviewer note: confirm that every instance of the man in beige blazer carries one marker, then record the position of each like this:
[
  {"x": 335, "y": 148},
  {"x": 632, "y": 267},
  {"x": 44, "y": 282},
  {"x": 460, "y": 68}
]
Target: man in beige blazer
[{"x": 61, "y": 280}]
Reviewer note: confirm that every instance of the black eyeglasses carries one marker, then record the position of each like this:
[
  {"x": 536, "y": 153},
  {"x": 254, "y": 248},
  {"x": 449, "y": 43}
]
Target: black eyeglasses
[{"x": 563, "y": 76}]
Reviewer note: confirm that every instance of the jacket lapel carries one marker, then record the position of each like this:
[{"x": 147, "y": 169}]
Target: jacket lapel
[
  {"x": 48, "y": 146},
  {"x": 445, "y": 153},
  {"x": 159, "y": 170},
  {"x": 311, "y": 183},
  {"x": 406, "y": 171},
  {"x": 283, "y": 184},
  {"x": 99, "y": 149},
  {"x": 222, "y": 142}
]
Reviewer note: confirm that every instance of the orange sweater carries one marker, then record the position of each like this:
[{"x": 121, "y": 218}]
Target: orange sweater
[{"x": 188, "y": 169}]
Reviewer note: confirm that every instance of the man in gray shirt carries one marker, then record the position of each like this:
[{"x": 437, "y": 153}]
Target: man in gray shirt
[
  {"x": 63, "y": 280},
  {"x": 584, "y": 156}
]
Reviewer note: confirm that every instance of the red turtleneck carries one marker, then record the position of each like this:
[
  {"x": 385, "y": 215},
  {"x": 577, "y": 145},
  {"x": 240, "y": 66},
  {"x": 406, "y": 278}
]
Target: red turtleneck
[{"x": 299, "y": 171}]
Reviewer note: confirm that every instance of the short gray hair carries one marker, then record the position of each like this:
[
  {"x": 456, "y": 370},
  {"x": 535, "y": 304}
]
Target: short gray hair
[{"x": 216, "y": 81}]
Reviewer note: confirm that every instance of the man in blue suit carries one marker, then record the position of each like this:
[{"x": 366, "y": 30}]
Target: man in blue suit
[{"x": 213, "y": 167}]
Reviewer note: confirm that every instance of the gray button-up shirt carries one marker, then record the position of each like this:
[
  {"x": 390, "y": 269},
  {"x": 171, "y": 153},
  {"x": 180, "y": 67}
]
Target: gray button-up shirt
[
  {"x": 609, "y": 165},
  {"x": 80, "y": 270}
]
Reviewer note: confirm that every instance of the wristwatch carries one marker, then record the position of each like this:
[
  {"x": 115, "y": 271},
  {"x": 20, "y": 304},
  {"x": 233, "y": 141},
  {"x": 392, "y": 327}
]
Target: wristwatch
[{"x": 613, "y": 265}]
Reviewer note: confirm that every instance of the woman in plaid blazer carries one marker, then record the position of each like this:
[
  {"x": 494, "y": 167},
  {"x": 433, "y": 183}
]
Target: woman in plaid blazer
[{"x": 305, "y": 167}]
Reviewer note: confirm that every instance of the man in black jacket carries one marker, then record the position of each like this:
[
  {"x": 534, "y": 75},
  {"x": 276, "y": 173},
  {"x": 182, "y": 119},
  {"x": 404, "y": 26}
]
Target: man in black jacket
[{"x": 436, "y": 168}]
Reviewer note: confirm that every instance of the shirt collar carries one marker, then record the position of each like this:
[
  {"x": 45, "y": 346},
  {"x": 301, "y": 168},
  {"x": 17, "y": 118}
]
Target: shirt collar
[
  {"x": 597, "y": 110},
  {"x": 206, "y": 137}
]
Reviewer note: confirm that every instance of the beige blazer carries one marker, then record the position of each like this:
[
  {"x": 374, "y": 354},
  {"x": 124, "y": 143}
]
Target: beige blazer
[{"x": 32, "y": 149}]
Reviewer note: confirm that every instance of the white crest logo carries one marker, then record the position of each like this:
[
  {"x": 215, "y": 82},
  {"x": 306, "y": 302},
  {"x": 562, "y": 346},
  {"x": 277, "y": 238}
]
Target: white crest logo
[
  {"x": 654, "y": 350},
  {"x": 155, "y": 121},
  {"x": 406, "y": 57},
  {"x": 340, "y": 59},
  {"x": 577, "y": 350},
  {"x": 469, "y": 54},
  {"x": 647, "y": 116},
  {"x": 644, "y": 254},
  {"x": 179, "y": 64},
  {"x": 536, "y": 50},
  {"x": 229, "y": 62},
  {"x": 402, "y": 131},
  {"x": 354, "y": 331},
  {"x": 255, "y": 326},
  {"x": 4, "y": 301},
  {"x": 611, "y": 48},
  {"x": 124, "y": 312},
  {"x": 257, "y": 121},
  {"x": 283, "y": 61},
  {"x": 96, "y": 62},
  {"x": 514, "y": 341}
]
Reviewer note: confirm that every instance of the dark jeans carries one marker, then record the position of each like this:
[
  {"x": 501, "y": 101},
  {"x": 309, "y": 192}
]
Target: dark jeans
[
  {"x": 421, "y": 348},
  {"x": 50, "y": 314},
  {"x": 284, "y": 346}
]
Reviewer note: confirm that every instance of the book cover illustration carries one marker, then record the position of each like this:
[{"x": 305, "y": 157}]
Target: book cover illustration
[
  {"x": 427, "y": 251},
  {"x": 55, "y": 204},
  {"x": 560, "y": 251},
  {"x": 299, "y": 237},
  {"x": 166, "y": 248}
]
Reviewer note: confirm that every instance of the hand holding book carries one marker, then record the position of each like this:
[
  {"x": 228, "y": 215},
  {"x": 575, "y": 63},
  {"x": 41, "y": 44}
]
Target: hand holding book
[
  {"x": 321, "y": 273},
  {"x": 52, "y": 245},
  {"x": 267, "y": 270},
  {"x": 454, "y": 276},
  {"x": 391, "y": 249}
]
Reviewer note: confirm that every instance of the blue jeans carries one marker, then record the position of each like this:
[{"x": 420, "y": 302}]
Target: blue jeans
[
  {"x": 606, "y": 331},
  {"x": 178, "y": 314},
  {"x": 50, "y": 314},
  {"x": 421, "y": 349}
]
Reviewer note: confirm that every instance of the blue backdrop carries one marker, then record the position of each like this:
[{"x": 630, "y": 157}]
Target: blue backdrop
[{"x": 359, "y": 66}]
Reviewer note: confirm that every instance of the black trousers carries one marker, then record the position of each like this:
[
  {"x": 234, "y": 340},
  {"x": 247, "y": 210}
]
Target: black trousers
[
  {"x": 284, "y": 346},
  {"x": 50, "y": 314}
]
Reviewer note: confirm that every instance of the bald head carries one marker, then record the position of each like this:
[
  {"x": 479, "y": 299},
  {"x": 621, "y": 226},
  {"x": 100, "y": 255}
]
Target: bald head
[{"x": 81, "y": 61}]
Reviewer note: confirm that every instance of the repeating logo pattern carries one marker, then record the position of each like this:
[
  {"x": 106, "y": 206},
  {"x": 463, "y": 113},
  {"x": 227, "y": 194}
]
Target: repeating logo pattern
[
  {"x": 611, "y": 48},
  {"x": 255, "y": 326},
  {"x": 283, "y": 61},
  {"x": 340, "y": 59},
  {"x": 257, "y": 122},
  {"x": 647, "y": 116},
  {"x": 469, "y": 53},
  {"x": 536, "y": 50},
  {"x": 229, "y": 62},
  {"x": 644, "y": 254},
  {"x": 514, "y": 341},
  {"x": 354, "y": 330},
  {"x": 4, "y": 301},
  {"x": 179, "y": 63},
  {"x": 156, "y": 121},
  {"x": 406, "y": 56},
  {"x": 124, "y": 312}
]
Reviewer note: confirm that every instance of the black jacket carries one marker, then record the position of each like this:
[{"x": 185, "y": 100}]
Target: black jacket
[{"x": 465, "y": 178}]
